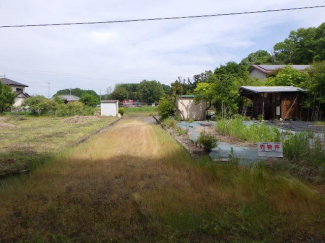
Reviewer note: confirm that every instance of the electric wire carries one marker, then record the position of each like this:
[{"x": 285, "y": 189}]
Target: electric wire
[{"x": 163, "y": 18}]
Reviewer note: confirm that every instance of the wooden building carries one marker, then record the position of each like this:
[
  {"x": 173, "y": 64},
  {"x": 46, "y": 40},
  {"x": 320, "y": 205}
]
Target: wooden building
[{"x": 274, "y": 102}]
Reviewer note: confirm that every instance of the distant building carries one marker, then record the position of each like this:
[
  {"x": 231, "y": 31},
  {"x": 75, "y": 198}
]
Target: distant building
[
  {"x": 187, "y": 108},
  {"x": 68, "y": 98},
  {"x": 273, "y": 102},
  {"x": 261, "y": 71},
  {"x": 18, "y": 89}
]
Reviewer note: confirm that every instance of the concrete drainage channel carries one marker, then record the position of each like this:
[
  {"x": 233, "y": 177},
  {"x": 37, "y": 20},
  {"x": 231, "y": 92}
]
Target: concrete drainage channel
[{"x": 84, "y": 139}]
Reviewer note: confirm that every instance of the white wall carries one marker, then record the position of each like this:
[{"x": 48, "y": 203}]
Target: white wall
[
  {"x": 15, "y": 87},
  {"x": 257, "y": 74},
  {"x": 187, "y": 109},
  {"x": 18, "y": 102},
  {"x": 109, "y": 109}
]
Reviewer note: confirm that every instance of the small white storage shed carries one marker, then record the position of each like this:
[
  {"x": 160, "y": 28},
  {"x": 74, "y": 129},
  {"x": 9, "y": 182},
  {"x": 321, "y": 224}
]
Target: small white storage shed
[{"x": 109, "y": 107}]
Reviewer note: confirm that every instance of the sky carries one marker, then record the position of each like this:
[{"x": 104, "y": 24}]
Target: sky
[{"x": 99, "y": 56}]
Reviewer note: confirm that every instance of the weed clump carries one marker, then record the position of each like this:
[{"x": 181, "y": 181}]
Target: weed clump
[
  {"x": 207, "y": 141},
  {"x": 169, "y": 122}
]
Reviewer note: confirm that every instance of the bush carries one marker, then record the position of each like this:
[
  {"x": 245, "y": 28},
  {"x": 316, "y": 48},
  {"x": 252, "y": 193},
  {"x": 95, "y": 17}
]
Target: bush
[
  {"x": 207, "y": 141},
  {"x": 166, "y": 108},
  {"x": 169, "y": 122},
  {"x": 73, "y": 109},
  {"x": 298, "y": 147},
  {"x": 39, "y": 105},
  {"x": 121, "y": 111}
]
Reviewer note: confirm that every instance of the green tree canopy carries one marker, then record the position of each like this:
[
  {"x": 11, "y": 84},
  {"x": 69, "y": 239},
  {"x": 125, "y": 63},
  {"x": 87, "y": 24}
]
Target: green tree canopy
[
  {"x": 119, "y": 93},
  {"x": 89, "y": 100},
  {"x": 288, "y": 77},
  {"x": 150, "y": 91},
  {"x": 232, "y": 69},
  {"x": 77, "y": 92},
  {"x": 257, "y": 58},
  {"x": 303, "y": 46},
  {"x": 7, "y": 97}
]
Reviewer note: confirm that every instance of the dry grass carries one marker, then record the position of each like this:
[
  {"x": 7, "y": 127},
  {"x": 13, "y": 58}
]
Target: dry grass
[
  {"x": 133, "y": 183},
  {"x": 25, "y": 140}
]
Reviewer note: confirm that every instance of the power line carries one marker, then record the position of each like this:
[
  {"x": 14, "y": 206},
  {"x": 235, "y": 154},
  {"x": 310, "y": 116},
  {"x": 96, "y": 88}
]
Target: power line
[{"x": 164, "y": 18}]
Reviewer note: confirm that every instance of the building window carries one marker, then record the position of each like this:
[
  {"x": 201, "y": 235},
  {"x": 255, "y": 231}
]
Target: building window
[{"x": 19, "y": 89}]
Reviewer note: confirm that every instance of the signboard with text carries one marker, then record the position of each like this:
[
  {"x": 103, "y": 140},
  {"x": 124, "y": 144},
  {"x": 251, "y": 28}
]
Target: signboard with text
[{"x": 270, "y": 149}]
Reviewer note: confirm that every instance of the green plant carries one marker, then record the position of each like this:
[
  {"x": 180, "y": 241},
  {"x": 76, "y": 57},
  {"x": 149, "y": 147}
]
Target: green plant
[
  {"x": 190, "y": 120},
  {"x": 169, "y": 122},
  {"x": 207, "y": 141},
  {"x": 253, "y": 133},
  {"x": 89, "y": 100},
  {"x": 297, "y": 147},
  {"x": 166, "y": 107},
  {"x": 7, "y": 97},
  {"x": 260, "y": 117},
  {"x": 39, "y": 105},
  {"x": 181, "y": 131},
  {"x": 121, "y": 111}
]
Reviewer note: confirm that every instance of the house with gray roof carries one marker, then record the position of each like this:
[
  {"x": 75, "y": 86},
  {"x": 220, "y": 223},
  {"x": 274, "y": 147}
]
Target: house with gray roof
[
  {"x": 261, "y": 71},
  {"x": 18, "y": 89},
  {"x": 68, "y": 98}
]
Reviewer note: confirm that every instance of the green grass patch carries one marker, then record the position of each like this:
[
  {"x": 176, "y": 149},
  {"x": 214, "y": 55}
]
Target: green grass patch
[
  {"x": 27, "y": 141},
  {"x": 254, "y": 133},
  {"x": 142, "y": 109}
]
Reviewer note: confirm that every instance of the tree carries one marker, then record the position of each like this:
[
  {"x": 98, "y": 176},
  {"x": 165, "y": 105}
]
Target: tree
[
  {"x": 167, "y": 89},
  {"x": 7, "y": 97},
  {"x": 315, "y": 85},
  {"x": 257, "y": 58},
  {"x": 89, "y": 100},
  {"x": 232, "y": 69},
  {"x": 177, "y": 88},
  {"x": 150, "y": 91},
  {"x": 288, "y": 77},
  {"x": 119, "y": 93},
  {"x": 303, "y": 46},
  {"x": 222, "y": 91},
  {"x": 77, "y": 92}
]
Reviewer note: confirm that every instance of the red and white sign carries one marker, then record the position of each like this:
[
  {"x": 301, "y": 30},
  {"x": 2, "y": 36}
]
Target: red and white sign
[{"x": 270, "y": 149}]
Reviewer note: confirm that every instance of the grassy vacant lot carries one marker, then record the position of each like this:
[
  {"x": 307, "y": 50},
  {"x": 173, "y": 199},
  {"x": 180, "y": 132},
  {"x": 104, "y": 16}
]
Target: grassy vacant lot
[
  {"x": 27, "y": 141},
  {"x": 134, "y": 183},
  {"x": 144, "y": 110}
]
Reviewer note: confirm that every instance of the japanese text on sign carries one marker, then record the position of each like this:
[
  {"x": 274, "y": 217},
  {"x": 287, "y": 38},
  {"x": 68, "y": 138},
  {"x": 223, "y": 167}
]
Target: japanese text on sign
[{"x": 270, "y": 149}]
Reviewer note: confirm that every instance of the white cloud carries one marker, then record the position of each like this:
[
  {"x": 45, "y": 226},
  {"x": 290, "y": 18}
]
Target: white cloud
[
  {"x": 103, "y": 37},
  {"x": 98, "y": 56}
]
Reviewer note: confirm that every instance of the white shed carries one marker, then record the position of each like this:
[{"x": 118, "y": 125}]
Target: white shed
[
  {"x": 188, "y": 109},
  {"x": 109, "y": 108}
]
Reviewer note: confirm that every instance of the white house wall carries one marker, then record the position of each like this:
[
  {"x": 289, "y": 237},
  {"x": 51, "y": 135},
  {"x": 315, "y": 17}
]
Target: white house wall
[
  {"x": 255, "y": 73},
  {"x": 14, "y": 88},
  {"x": 19, "y": 102}
]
